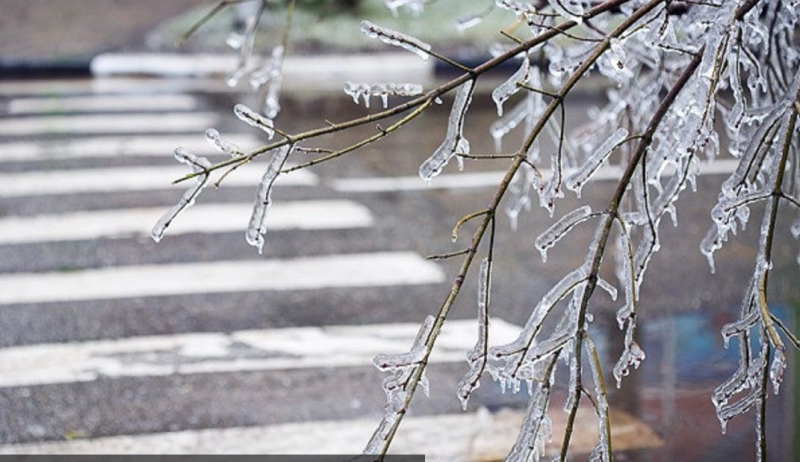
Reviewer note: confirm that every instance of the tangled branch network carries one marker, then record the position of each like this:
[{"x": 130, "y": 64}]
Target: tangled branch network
[{"x": 682, "y": 71}]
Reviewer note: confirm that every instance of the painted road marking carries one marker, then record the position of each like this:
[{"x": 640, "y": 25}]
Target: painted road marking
[
  {"x": 108, "y": 123},
  {"x": 103, "y": 103},
  {"x": 267, "y": 349},
  {"x": 350, "y": 270},
  {"x": 205, "y": 218},
  {"x": 113, "y": 146},
  {"x": 97, "y": 180}
]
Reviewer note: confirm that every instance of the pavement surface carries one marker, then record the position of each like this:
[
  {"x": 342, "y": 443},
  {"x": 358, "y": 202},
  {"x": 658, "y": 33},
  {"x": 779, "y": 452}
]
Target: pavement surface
[{"x": 113, "y": 343}]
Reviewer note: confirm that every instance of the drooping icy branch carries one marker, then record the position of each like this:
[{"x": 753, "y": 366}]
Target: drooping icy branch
[
  {"x": 454, "y": 141},
  {"x": 258, "y": 221},
  {"x": 382, "y": 90},
  {"x": 506, "y": 89},
  {"x": 560, "y": 228},
  {"x": 398, "y": 39},
  {"x": 580, "y": 177},
  {"x": 476, "y": 357},
  {"x": 401, "y": 367},
  {"x": 199, "y": 165}
]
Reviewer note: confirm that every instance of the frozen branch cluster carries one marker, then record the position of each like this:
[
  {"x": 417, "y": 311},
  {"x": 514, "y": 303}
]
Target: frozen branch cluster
[{"x": 686, "y": 78}]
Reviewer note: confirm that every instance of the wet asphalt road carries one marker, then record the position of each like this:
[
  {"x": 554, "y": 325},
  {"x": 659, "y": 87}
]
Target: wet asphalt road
[{"x": 403, "y": 221}]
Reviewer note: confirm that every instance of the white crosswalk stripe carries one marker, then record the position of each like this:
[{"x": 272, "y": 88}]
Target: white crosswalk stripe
[
  {"x": 206, "y": 218},
  {"x": 161, "y": 122},
  {"x": 119, "y": 146},
  {"x": 289, "y": 348},
  {"x": 344, "y": 270},
  {"x": 105, "y": 103},
  {"x": 118, "y": 179}
]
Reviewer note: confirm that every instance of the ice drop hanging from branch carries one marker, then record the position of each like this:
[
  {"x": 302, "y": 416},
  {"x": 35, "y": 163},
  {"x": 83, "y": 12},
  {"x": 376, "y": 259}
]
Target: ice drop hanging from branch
[
  {"x": 213, "y": 137},
  {"x": 258, "y": 221},
  {"x": 391, "y": 37},
  {"x": 199, "y": 165},
  {"x": 507, "y": 89},
  {"x": 382, "y": 90},
  {"x": 454, "y": 141},
  {"x": 250, "y": 117}
]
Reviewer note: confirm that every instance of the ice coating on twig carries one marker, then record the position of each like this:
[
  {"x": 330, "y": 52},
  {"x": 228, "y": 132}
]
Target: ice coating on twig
[
  {"x": 468, "y": 22},
  {"x": 568, "y": 9},
  {"x": 522, "y": 9},
  {"x": 580, "y": 177},
  {"x": 537, "y": 427},
  {"x": 560, "y": 228},
  {"x": 271, "y": 75},
  {"x": 391, "y": 37},
  {"x": 257, "y": 228},
  {"x": 476, "y": 357},
  {"x": 244, "y": 43},
  {"x": 414, "y": 6},
  {"x": 602, "y": 450},
  {"x": 250, "y": 117},
  {"x": 454, "y": 141},
  {"x": 401, "y": 368},
  {"x": 213, "y": 137},
  {"x": 506, "y": 89},
  {"x": 382, "y": 90},
  {"x": 199, "y": 166}
]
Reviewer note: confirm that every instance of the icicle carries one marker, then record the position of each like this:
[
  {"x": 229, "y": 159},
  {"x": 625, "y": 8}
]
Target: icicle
[
  {"x": 631, "y": 356},
  {"x": 610, "y": 289},
  {"x": 506, "y": 89},
  {"x": 199, "y": 166},
  {"x": 250, "y": 117},
  {"x": 258, "y": 221},
  {"x": 558, "y": 230},
  {"x": 737, "y": 327},
  {"x": 580, "y": 177},
  {"x": 454, "y": 141},
  {"x": 212, "y": 135},
  {"x": 395, "y": 38},
  {"x": 476, "y": 357},
  {"x": 509, "y": 121},
  {"x": 777, "y": 369},
  {"x": 382, "y": 90}
]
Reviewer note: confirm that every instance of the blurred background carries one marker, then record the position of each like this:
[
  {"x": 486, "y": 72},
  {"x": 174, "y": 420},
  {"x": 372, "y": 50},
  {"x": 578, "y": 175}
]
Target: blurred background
[{"x": 112, "y": 343}]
